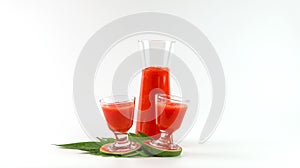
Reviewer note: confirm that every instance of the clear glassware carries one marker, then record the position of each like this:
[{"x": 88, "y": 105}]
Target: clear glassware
[
  {"x": 170, "y": 111},
  {"x": 156, "y": 55},
  {"x": 119, "y": 112}
]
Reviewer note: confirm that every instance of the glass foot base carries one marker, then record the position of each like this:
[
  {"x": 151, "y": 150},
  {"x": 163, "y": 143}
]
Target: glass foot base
[
  {"x": 164, "y": 145},
  {"x": 112, "y": 149}
]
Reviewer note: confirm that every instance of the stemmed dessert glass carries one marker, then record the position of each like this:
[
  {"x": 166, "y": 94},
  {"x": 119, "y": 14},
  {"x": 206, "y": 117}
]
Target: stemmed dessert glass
[
  {"x": 119, "y": 111},
  {"x": 170, "y": 111}
]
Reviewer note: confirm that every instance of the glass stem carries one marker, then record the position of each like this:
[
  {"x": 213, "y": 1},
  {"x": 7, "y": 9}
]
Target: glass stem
[
  {"x": 121, "y": 140},
  {"x": 164, "y": 137},
  {"x": 171, "y": 139}
]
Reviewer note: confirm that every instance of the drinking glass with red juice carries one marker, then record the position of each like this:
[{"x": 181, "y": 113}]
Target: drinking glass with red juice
[
  {"x": 170, "y": 115},
  {"x": 119, "y": 116},
  {"x": 170, "y": 111},
  {"x": 118, "y": 111},
  {"x": 155, "y": 79}
]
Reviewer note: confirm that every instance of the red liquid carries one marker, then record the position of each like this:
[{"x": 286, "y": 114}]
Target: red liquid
[
  {"x": 154, "y": 80},
  {"x": 119, "y": 116},
  {"x": 170, "y": 115}
]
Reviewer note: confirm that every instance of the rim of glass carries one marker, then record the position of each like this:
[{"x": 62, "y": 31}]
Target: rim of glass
[
  {"x": 117, "y": 99},
  {"x": 173, "y": 98}
]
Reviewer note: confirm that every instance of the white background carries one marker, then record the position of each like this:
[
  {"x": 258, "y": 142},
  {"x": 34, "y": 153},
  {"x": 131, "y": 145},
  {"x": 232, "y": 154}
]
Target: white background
[{"x": 257, "y": 42}]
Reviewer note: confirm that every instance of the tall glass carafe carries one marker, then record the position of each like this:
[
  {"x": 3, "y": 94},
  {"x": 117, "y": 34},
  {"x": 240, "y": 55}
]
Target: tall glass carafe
[{"x": 155, "y": 79}]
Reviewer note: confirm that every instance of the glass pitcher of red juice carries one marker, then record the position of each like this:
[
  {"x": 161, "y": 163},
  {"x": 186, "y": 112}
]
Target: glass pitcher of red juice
[{"x": 155, "y": 79}]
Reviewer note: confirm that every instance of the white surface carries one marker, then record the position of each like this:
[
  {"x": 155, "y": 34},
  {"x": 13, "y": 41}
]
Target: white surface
[{"x": 258, "y": 44}]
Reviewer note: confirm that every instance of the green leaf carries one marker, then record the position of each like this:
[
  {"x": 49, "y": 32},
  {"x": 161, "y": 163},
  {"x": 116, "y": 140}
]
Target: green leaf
[
  {"x": 85, "y": 146},
  {"x": 93, "y": 147},
  {"x": 143, "y": 135}
]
